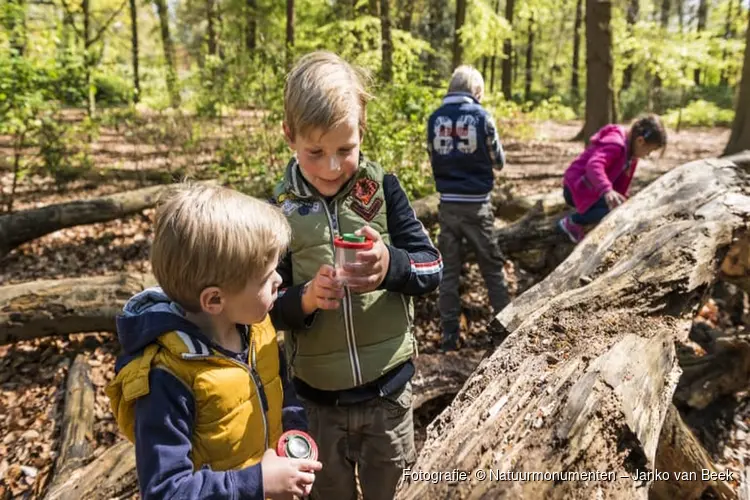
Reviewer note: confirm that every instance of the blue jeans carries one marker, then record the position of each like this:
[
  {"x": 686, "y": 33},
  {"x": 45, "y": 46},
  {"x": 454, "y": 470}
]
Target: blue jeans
[{"x": 592, "y": 216}]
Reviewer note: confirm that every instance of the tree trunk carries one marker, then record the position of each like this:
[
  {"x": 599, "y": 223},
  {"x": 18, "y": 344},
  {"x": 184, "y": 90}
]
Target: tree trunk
[
  {"x": 728, "y": 34},
  {"x": 666, "y": 8},
  {"x": 89, "y": 59},
  {"x": 211, "y": 36},
  {"x": 59, "y": 307},
  {"x": 631, "y": 18},
  {"x": 529, "y": 58},
  {"x": 387, "y": 41},
  {"x": 508, "y": 54},
  {"x": 740, "y": 137},
  {"x": 458, "y": 49},
  {"x": 493, "y": 59},
  {"x": 169, "y": 56},
  {"x": 598, "y": 66},
  {"x": 134, "y": 50},
  {"x": 574, "y": 80},
  {"x": 77, "y": 434},
  {"x": 702, "y": 16},
  {"x": 406, "y": 9},
  {"x": 251, "y": 7},
  {"x": 289, "y": 33},
  {"x": 681, "y": 15},
  {"x": 584, "y": 381},
  {"x": 27, "y": 225},
  {"x": 372, "y": 8},
  {"x": 111, "y": 475}
]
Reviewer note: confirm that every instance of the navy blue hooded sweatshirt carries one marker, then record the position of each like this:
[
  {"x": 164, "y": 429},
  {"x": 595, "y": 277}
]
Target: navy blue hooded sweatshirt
[{"x": 464, "y": 149}]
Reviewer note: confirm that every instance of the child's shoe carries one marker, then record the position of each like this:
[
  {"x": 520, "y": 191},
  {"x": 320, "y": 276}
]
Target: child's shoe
[
  {"x": 573, "y": 230},
  {"x": 450, "y": 342}
]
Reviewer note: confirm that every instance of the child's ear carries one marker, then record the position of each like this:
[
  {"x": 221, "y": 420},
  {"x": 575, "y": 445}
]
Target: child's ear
[
  {"x": 288, "y": 135},
  {"x": 212, "y": 300}
]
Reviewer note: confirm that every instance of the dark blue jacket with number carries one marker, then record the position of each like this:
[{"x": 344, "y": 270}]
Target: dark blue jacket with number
[{"x": 464, "y": 149}]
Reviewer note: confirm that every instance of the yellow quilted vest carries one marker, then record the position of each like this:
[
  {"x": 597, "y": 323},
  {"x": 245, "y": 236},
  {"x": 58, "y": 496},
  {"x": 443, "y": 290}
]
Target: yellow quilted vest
[{"x": 230, "y": 431}]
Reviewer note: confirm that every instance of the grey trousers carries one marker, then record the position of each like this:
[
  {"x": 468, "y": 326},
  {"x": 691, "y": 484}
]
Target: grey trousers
[
  {"x": 376, "y": 437},
  {"x": 473, "y": 221}
]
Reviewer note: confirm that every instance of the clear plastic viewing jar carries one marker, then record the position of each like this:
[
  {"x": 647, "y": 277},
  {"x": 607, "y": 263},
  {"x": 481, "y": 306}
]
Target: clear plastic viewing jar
[{"x": 347, "y": 246}]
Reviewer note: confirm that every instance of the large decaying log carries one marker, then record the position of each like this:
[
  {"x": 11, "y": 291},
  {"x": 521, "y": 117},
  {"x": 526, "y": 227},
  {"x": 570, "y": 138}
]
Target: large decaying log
[
  {"x": 53, "y": 307},
  {"x": 585, "y": 379},
  {"x": 77, "y": 427},
  {"x": 19, "y": 227}
]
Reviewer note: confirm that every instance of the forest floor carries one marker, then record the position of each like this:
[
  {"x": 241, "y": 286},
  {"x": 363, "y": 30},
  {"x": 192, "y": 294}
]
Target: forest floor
[{"x": 32, "y": 373}]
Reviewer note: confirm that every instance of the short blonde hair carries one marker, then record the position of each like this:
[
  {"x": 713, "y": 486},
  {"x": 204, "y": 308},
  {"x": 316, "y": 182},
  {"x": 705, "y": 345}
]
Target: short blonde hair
[
  {"x": 323, "y": 91},
  {"x": 467, "y": 79},
  {"x": 213, "y": 236}
]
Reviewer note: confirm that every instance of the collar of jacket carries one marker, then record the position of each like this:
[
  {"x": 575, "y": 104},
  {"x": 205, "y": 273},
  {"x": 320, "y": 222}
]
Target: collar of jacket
[
  {"x": 296, "y": 183},
  {"x": 459, "y": 98}
]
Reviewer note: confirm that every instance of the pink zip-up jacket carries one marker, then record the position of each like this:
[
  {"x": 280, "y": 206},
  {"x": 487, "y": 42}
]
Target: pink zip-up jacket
[{"x": 602, "y": 167}]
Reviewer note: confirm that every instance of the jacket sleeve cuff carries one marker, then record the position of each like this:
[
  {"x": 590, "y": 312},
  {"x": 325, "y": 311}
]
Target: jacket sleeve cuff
[
  {"x": 249, "y": 483},
  {"x": 399, "y": 270},
  {"x": 289, "y": 309}
]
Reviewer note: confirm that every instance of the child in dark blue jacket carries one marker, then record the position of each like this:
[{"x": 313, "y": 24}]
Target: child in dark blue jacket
[{"x": 465, "y": 150}]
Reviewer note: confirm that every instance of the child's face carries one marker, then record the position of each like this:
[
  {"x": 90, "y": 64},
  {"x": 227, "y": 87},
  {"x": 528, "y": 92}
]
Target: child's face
[
  {"x": 328, "y": 159},
  {"x": 641, "y": 149},
  {"x": 252, "y": 303}
]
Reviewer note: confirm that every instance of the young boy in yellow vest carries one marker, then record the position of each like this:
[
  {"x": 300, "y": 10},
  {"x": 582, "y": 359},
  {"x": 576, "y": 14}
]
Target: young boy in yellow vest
[
  {"x": 200, "y": 388},
  {"x": 350, "y": 347}
]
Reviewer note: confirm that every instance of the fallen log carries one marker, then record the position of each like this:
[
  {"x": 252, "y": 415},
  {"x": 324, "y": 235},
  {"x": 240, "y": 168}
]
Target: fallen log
[
  {"x": 111, "y": 475},
  {"x": 77, "y": 434},
  {"x": 19, "y": 227},
  {"x": 56, "y": 307},
  {"x": 585, "y": 379}
]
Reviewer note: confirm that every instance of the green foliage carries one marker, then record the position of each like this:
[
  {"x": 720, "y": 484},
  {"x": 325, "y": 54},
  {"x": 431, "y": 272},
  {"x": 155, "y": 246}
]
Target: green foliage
[
  {"x": 700, "y": 113},
  {"x": 396, "y": 134},
  {"x": 112, "y": 90},
  {"x": 64, "y": 148}
]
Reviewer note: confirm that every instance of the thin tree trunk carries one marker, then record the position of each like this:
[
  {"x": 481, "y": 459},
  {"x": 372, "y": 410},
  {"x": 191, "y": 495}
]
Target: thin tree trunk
[
  {"x": 728, "y": 34},
  {"x": 507, "y": 82},
  {"x": 134, "y": 49},
  {"x": 91, "y": 90},
  {"x": 681, "y": 15},
  {"x": 211, "y": 27},
  {"x": 702, "y": 16},
  {"x": 529, "y": 58},
  {"x": 458, "y": 48},
  {"x": 493, "y": 59},
  {"x": 406, "y": 8},
  {"x": 740, "y": 137},
  {"x": 251, "y": 7},
  {"x": 632, "y": 18},
  {"x": 387, "y": 41},
  {"x": 169, "y": 56},
  {"x": 574, "y": 77},
  {"x": 289, "y": 32},
  {"x": 598, "y": 66},
  {"x": 372, "y": 7}
]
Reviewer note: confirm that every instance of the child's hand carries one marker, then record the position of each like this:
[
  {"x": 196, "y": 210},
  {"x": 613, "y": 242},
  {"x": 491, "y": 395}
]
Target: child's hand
[
  {"x": 284, "y": 477},
  {"x": 613, "y": 199},
  {"x": 372, "y": 265},
  {"x": 324, "y": 291}
]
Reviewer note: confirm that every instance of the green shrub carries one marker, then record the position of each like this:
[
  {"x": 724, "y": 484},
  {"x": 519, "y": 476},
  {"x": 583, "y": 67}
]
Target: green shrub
[
  {"x": 700, "y": 113},
  {"x": 112, "y": 90}
]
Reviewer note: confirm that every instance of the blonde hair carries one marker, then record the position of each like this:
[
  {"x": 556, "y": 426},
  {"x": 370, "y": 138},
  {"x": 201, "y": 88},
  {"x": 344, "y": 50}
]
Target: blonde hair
[
  {"x": 467, "y": 79},
  {"x": 323, "y": 91},
  {"x": 213, "y": 236}
]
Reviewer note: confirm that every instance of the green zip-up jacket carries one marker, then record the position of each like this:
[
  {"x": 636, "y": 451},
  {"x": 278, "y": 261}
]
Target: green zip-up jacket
[{"x": 370, "y": 333}]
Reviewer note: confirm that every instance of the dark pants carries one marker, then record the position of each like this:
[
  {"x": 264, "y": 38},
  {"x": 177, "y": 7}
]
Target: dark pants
[
  {"x": 373, "y": 441},
  {"x": 475, "y": 222},
  {"x": 593, "y": 215}
]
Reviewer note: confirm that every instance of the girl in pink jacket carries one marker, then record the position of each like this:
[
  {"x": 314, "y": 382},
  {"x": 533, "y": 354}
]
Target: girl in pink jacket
[{"x": 598, "y": 180}]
